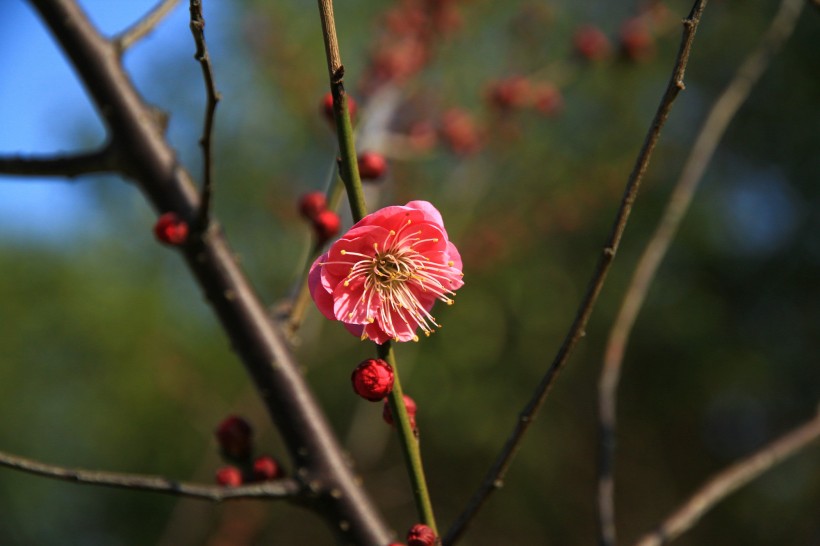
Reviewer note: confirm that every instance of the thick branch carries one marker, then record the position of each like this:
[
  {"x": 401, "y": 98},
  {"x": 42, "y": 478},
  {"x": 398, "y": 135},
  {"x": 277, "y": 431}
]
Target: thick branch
[
  {"x": 71, "y": 165},
  {"x": 494, "y": 478},
  {"x": 730, "y": 480},
  {"x": 703, "y": 149},
  {"x": 146, "y": 157},
  {"x": 274, "y": 489}
]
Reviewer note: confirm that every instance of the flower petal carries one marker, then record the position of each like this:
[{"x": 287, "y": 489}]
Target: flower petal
[{"x": 318, "y": 291}]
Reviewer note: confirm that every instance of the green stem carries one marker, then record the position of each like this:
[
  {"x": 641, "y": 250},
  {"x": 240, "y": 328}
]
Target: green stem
[
  {"x": 409, "y": 441},
  {"x": 348, "y": 162}
]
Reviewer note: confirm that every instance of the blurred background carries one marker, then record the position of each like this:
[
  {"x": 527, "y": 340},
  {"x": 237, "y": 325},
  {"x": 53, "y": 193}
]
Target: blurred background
[{"x": 520, "y": 121}]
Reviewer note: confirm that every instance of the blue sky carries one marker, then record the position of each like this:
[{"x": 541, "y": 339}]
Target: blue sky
[{"x": 43, "y": 108}]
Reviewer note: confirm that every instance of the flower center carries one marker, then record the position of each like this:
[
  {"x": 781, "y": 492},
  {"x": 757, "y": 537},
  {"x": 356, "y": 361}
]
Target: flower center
[{"x": 389, "y": 268}]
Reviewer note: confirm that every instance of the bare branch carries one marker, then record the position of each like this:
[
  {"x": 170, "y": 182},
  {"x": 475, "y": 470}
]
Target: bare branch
[
  {"x": 71, "y": 165},
  {"x": 201, "y": 55},
  {"x": 285, "y": 488},
  {"x": 722, "y": 112},
  {"x": 145, "y": 156},
  {"x": 495, "y": 476},
  {"x": 144, "y": 26},
  {"x": 730, "y": 480}
]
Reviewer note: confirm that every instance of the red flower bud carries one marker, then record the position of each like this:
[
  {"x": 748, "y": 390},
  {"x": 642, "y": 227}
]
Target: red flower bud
[
  {"x": 372, "y": 165},
  {"x": 327, "y": 107},
  {"x": 235, "y": 437},
  {"x": 590, "y": 43},
  {"x": 547, "y": 99},
  {"x": 229, "y": 476},
  {"x": 311, "y": 204},
  {"x": 460, "y": 132},
  {"x": 409, "y": 404},
  {"x": 421, "y": 535},
  {"x": 266, "y": 468},
  {"x": 372, "y": 379},
  {"x": 170, "y": 229},
  {"x": 636, "y": 41},
  {"x": 326, "y": 226},
  {"x": 511, "y": 93}
]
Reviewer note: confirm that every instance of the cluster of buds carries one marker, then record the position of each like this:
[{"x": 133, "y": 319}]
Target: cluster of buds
[
  {"x": 373, "y": 380},
  {"x": 171, "y": 230},
  {"x": 635, "y": 38},
  {"x": 519, "y": 93},
  {"x": 407, "y": 40},
  {"x": 325, "y": 222},
  {"x": 235, "y": 438}
]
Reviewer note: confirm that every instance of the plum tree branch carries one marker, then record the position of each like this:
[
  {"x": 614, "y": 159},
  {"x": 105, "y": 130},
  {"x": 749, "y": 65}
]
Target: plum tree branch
[
  {"x": 718, "y": 119},
  {"x": 495, "y": 475},
  {"x": 144, "y": 26},
  {"x": 282, "y": 489},
  {"x": 70, "y": 165},
  {"x": 730, "y": 480},
  {"x": 327, "y": 483}
]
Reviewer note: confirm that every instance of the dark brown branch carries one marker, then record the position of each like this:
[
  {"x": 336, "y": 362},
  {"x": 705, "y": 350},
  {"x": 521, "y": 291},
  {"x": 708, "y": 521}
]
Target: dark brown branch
[
  {"x": 730, "y": 480},
  {"x": 144, "y": 26},
  {"x": 718, "y": 119},
  {"x": 495, "y": 476},
  {"x": 328, "y": 483},
  {"x": 213, "y": 97},
  {"x": 71, "y": 165},
  {"x": 282, "y": 489}
]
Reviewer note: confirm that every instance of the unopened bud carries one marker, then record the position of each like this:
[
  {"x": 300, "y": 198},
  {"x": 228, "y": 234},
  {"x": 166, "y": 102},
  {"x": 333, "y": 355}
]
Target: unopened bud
[
  {"x": 421, "y": 535},
  {"x": 170, "y": 229},
  {"x": 266, "y": 468},
  {"x": 229, "y": 476},
  {"x": 410, "y": 406},
  {"x": 311, "y": 204},
  {"x": 372, "y": 166},
  {"x": 327, "y": 107},
  {"x": 235, "y": 437},
  {"x": 373, "y": 379},
  {"x": 326, "y": 226}
]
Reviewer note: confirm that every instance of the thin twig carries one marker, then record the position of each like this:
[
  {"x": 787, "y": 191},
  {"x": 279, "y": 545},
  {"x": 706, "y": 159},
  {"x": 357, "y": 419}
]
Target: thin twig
[
  {"x": 494, "y": 478},
  {"x": 201, "y": 55},
  {"x": 730, "y": 480},
  {"x": 721, "y": 114},
  {"x": 70, "y": 165},
  {"x": 144, "y": 26},
  {"x": 285, "y": 488}
]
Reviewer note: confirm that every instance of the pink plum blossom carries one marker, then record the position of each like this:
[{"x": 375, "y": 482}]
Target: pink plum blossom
[{"x": 383, "y": 276}]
